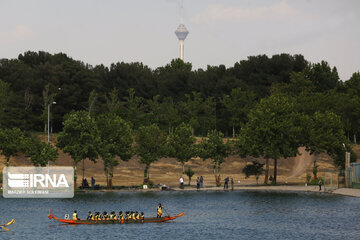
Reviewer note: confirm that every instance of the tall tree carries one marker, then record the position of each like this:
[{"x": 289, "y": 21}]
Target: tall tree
[
  {"x": 134, "y": 109},
  {"x": 182, "y": 144},
  {"x": 40, "y": 153},
  {"x": 116, "y": 140},
  {"x": 80, "y": 138},
  {"x": 10, "y": 142},
  {"x": 150, "y": 146},
  {"x": 238, "y": 105},
  {"x": 273, "y": 131},
  {"x": 214, "y": 148},
  {"x": 325, "y": 134}
]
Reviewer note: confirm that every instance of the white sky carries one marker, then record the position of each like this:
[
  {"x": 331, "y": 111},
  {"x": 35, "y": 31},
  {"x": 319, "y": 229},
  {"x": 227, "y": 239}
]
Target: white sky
[{"x": 221, "y": 31}]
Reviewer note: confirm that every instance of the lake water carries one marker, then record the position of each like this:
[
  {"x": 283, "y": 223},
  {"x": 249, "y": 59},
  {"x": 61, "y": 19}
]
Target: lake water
[{"x": 208, "y": 215}]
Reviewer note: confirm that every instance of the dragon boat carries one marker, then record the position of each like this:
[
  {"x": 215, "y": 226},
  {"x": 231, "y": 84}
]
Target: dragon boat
[{"x": 145, "y": 220}]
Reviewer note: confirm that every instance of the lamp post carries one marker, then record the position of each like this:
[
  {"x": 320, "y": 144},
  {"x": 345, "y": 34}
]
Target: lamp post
[
  {"x": 48, "y": 125},
  {"x": 347, "y": 167}
]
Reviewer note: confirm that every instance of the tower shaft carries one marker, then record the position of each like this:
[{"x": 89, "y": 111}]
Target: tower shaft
[{"x": 181, "y": 42}]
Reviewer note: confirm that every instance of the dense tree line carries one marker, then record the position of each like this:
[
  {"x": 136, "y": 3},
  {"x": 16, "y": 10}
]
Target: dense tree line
[
  {"x": 272, "y": 106},
  {"x": 165, "y": 96}
]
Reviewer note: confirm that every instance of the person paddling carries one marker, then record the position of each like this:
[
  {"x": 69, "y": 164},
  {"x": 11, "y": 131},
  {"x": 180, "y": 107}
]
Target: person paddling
[
  {"x": 75, "y": 217},
  {"x": 142, "y": 217},
  {"x": 159, "y": 211},
  {"x": 90, "y": 216},
  {"x": 105, "y": 216},
  {"x": 121, "y": 216},
  {"x": 112, "y": 216}
]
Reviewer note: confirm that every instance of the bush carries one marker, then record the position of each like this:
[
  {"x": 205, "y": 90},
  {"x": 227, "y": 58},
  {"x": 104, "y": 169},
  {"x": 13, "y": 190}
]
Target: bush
[{"x": 316, "y": 181}]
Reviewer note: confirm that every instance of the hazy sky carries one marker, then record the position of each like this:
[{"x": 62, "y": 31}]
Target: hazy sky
[{"x": 221, "y": 31}]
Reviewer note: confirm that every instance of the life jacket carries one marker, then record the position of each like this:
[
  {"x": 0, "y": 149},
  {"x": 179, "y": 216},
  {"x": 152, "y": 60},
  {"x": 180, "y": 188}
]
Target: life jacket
[
  {"x": 93, "y": 217},
  {"x": 133, "y": 216},
  {"x": 137, "y": 216},
  {"x": 75, "y": 216},
  {"x": 159, "y": 210},
  {"x": 121, "y": 217},
  {"x": 105, "y": 217},
  {"x": 90, "y": 216},
  {"x": 142, "y": 216}
]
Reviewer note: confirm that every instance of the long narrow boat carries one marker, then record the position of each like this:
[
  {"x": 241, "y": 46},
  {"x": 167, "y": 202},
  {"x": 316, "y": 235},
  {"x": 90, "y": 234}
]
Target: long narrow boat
[{"x": 146, "y": 220}]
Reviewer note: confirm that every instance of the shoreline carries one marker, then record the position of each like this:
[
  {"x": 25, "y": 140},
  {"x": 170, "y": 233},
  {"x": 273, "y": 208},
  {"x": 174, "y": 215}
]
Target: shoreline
[{"x": 351, "y": 192}]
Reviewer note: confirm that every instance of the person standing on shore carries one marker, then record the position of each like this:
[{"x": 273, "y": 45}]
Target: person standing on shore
[
  {"x": 320, "y": 183},
  {"x": 226, "y": 183},
  {"x": 93, "y": 183},
  {"x": 181, "y": 182},
  {"x": 198, "y": 183},
  {"x": 201, "y": 182},
  {"x": 232, "y": 184}
]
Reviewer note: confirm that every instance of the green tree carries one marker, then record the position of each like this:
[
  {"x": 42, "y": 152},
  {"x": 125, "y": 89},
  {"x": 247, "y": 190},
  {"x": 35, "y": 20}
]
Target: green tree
[
  {"x": 325, "y": 134},
  {"x": 273, "y": 131},
  {"x": 112, "y": 102},
  {"x": 79, "y": 138},
  {"x": 39, "y": 152},
  {"x": 189, "y": 172},
  {"x": 150, "y": 146},
  {"x": 255, "y": 169},
  {"x": 238, "y": 105},
  {"x": 10, "y": 142},
  {"x": 4, "y": 94},
  {"x": 171, "y": 116},
  {"x": 215, "y": 149},
  {"x": 134, "y": 109},
  {"x": 116, "y": 140},
  {"x": 182, "y": 144}
]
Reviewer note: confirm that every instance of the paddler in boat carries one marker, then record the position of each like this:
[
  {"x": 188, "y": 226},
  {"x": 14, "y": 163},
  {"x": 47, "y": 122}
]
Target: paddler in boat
[
  {"x": 75, "y": 217},
  {"x": 105, "y": 216},
  {"x": 137, "y": 215},
  {"x": 133, "y": 216},
  {"x": 97, "y": 216},
  {"x": 142, "y": 217},
  {"x": 159, "y": 211},
  {"x": 126, "y": 216},
  {"x": 112, "y": 216},
  {"x": 121, "y": 216},
  {"x": 90, "y": 216}
]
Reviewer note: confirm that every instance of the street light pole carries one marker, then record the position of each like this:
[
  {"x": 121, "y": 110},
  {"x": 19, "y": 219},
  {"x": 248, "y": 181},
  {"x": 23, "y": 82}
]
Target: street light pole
[{"x": 48, "y": 126}]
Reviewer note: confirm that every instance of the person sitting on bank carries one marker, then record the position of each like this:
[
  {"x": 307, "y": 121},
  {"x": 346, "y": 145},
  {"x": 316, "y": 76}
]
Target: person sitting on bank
[
  {"x": 159, "y": 211},
  {"x": 75, "y": 216},
  {"x": 90, "y": 216}
]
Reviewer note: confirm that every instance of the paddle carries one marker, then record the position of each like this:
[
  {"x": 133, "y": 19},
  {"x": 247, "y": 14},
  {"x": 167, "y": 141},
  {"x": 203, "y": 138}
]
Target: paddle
[
  {"x": 7, "y": 224},
  {"x": 6, "y": 229},
  {"x": 11, "y": 222},
  {"x": 166, "y": 212}
]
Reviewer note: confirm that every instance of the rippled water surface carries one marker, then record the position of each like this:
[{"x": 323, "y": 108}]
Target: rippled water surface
[{"x": 208, "y": 215}]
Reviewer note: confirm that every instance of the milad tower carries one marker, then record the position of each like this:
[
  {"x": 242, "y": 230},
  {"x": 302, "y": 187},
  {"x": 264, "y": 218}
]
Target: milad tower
[{"x": 181, "y": 33}]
